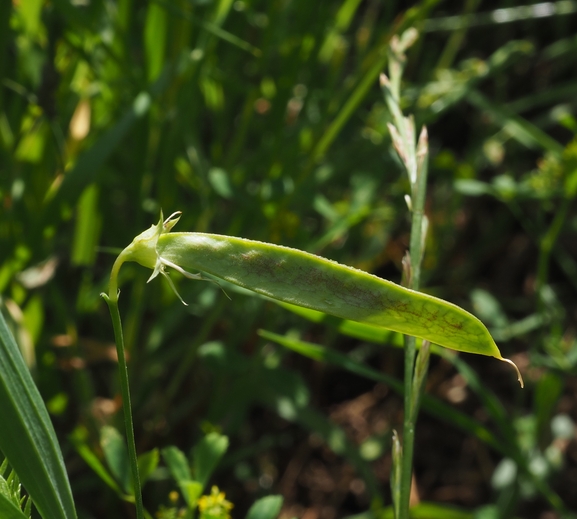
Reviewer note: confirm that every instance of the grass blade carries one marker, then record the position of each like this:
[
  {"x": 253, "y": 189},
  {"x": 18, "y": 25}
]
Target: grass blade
[
  {"x": 520, "y": 129},
  {"x": 27, "y": 437}
]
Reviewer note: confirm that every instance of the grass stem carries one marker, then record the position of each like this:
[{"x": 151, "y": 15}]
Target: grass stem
[
  {"x": 414, "y": 156},
  {"x": 127, "y": 406},
  {"x": 413, "y": 280}
]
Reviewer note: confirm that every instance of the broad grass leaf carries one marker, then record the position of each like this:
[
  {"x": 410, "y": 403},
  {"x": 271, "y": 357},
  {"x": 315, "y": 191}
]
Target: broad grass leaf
[{"x": 27, "y": 437}]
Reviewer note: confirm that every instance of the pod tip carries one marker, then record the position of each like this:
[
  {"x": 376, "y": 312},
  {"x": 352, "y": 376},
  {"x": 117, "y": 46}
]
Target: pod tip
[{"x": 519, "y": 377}]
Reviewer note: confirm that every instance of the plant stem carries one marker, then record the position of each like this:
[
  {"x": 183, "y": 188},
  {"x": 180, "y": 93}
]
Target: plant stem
[
  {"x": 408, "y": 430},
  {"x": 545, "y": 249},
  {"x": 418, "y": 192},
  {"x": 126, "y": 403},
  {"x": 414, "y": 157}
]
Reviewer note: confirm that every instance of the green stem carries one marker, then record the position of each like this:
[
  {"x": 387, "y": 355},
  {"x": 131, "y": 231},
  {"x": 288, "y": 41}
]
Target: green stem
[
  {"x": 414, "y": 157},
  {"x": 125, "y": 391},
  {"x": 546, "y": 247},
  {"x": 408, "y": 431},
  {"x": 418, "y": 193}
]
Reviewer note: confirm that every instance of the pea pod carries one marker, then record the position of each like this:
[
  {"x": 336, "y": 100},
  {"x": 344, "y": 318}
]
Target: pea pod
[{"x": 310, "y": 281}]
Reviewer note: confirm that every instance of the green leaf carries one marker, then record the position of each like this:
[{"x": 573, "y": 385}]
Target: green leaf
[
  {"x": 520, "y": 129},
  {"x": 78, "y": 440},
  {"x": 10, "y": 489},
  {"x": 364, "y": 332},
  {"x": 147, "y": 464},
  {"x": 155, "y": 39},
  {"x": 436, "y": 511},
  {"x": 178, "y": 467},
  {"x": 265, "y": 508},
  {"x": 473, "y": 187},
  {"x": 27, "y": 437},
  {"x": 191, "y": 490},
  {"x": 423, "y": 510},
  {"x": 30, "y": 13},
  {"x": 547, "y": 392},
  {"x": 116, "y": 455},
  {"x": 8, "y": 510},
  {"x": 206, "y": 455},
  {"x": 89, "y": 164},
  {"x": 220, "y": 182},
  {"x": 87, "y": 230},
  {"x": 177, "y": 463}
]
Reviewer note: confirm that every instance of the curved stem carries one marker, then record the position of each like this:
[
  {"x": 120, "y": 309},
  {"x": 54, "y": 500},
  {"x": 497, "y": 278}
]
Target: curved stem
[
  {"x": 113, "y": 283},
  {"x": 124, "y": 387}
]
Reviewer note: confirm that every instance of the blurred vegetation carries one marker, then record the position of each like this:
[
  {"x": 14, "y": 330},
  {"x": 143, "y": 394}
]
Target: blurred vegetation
[{"x": 264, "y": 120}]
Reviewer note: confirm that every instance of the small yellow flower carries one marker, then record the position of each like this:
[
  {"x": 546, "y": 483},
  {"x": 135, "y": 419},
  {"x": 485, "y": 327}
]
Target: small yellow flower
[{"x": 214, "y": 506}]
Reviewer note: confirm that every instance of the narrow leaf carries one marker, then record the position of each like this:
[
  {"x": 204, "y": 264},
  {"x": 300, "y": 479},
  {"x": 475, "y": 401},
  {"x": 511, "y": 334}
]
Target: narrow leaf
[
  {"x": 94, "y": 462},
  {"x": 87, "y": 230},
  {"x": 116, "y": 455},
  {"x": 27, "y": 437}
]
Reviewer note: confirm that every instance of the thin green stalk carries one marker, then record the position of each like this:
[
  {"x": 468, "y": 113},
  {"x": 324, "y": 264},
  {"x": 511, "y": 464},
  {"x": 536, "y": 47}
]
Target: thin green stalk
[
  {"x": 419, "y": 377},
  {"x": 457, "y": 37},
  {"x": 397, "y": 454},
  {"x": 546, "y": 247},
  {"x": 112, "y": 302},
  {"x": 408, "y": 432},
  {"x": 416, "y": 253},
  {"x": 414, "y": 157}
]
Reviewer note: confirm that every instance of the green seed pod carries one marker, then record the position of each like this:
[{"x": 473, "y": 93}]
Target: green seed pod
[{"x": 303, "y": 279}]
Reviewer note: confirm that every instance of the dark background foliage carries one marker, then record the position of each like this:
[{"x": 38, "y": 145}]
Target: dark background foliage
[{"x": 264, "y": 119}]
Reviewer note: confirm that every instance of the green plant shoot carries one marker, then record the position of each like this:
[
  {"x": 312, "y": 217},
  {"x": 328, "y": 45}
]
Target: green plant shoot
[{"x": 310, "y": 281}]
